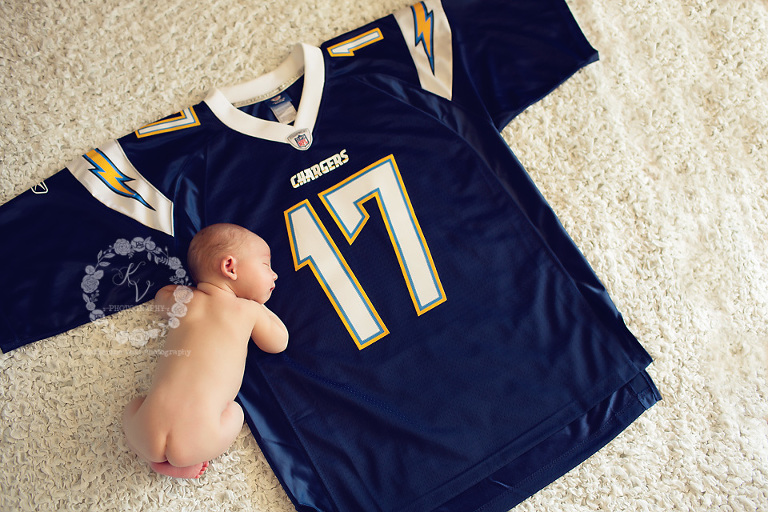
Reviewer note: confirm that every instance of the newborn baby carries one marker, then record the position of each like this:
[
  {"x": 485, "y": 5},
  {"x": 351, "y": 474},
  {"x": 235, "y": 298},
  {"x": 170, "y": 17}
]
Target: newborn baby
[{"x": 189, "y": 415}]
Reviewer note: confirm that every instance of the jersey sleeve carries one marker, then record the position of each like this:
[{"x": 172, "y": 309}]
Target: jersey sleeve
[
  {"x": 93, "y": 239},
  {"x": 509, "y": 54}
]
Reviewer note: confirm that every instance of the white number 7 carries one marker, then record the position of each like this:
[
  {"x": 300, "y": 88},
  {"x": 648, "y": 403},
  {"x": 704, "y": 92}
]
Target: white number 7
[{"x": 311, "y": 245}]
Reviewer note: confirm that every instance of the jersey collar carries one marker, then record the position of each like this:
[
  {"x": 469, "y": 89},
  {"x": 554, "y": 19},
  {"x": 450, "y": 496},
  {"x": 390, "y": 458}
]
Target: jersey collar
[{"x": 304, "y": 60}]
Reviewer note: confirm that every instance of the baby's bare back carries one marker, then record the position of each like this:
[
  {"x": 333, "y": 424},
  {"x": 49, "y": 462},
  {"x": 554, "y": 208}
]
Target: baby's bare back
[{"x": 208, "y": 350}]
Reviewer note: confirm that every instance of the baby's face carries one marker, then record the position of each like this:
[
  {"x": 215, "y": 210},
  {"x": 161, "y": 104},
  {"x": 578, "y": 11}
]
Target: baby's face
[{"x": 258, "y": 278}]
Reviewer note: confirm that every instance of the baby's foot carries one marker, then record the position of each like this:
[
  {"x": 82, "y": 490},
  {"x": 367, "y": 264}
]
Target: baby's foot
[
  {"x": 165, "y": 468},
  {"x": 202, "y": 469}
]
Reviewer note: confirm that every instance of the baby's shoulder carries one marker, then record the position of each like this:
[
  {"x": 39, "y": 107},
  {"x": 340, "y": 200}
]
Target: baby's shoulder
[
  {"x": 247, "y": 305},
  {"x": 171, "y": 294},
  {"x": 175, "y": 289}
]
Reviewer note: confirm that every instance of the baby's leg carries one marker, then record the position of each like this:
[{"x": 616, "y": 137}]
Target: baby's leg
[
  {"x": 231, "y": 424},
  {"x": 135, "y": 435}
]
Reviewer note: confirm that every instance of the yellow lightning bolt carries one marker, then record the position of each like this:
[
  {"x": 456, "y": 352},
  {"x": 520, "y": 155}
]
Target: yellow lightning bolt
[
  {"x": 424, "y": 23},
  {"x": 112, "y": 177}
]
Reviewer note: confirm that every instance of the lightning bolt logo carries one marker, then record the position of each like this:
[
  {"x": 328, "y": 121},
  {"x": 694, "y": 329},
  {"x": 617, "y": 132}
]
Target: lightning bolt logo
[
  {"x": 111, "y": 176},
  {"x": 424, "y": 24}
]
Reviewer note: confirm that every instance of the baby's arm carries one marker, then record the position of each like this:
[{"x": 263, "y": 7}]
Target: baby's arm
[{"x": 269, "y": 333}]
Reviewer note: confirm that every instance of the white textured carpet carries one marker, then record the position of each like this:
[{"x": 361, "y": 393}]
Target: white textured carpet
[{"x": 655, "y": 159}]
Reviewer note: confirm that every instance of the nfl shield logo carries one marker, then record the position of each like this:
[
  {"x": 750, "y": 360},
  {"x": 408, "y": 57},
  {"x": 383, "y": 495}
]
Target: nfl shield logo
[{"x": 301, "y": 139}]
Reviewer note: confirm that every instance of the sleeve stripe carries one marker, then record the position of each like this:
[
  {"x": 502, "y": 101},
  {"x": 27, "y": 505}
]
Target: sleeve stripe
[
  {"x": 427, "y": 34},
  {"x": 111, "y": 178}
]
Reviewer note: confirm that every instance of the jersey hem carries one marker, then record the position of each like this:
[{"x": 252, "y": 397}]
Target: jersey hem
[
  {"x": 10, "y": 340},
  {"x": 617, "y": 412}
]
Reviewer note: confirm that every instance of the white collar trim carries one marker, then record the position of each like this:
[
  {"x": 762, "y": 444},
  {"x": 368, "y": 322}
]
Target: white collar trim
[{"x": 304, "y": 59}]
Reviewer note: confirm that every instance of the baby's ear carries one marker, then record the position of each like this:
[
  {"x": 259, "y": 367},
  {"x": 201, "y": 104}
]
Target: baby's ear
[{"x": 228, "y": 267}]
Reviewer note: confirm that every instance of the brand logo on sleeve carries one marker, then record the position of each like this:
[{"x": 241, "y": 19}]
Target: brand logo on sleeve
[{"x": 40, "y": 189}]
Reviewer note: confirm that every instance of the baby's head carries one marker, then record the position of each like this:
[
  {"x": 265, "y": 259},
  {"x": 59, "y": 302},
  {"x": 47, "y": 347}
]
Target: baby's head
[{"x": 232, "y": 256}]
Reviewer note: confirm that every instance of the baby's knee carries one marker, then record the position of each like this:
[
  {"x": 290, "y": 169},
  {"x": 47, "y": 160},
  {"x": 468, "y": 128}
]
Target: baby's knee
[{"x": 233, "y": 414}]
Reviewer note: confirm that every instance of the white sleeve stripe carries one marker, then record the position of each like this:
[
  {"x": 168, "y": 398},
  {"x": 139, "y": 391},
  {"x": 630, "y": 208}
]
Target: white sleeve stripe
[
  {"x": 427, "y": 34},
  {"x": 112, "y": 179}
]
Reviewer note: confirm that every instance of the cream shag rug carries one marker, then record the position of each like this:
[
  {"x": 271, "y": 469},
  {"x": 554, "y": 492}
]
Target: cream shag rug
[{"x": 655, "y": 158}]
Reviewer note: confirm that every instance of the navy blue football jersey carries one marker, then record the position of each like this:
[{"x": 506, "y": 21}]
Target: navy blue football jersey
[{"x": 451, "y": 349}]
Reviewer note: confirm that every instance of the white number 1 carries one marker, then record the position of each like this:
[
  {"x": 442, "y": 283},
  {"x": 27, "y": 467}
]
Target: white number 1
[{"x": 311, "y": 245}]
